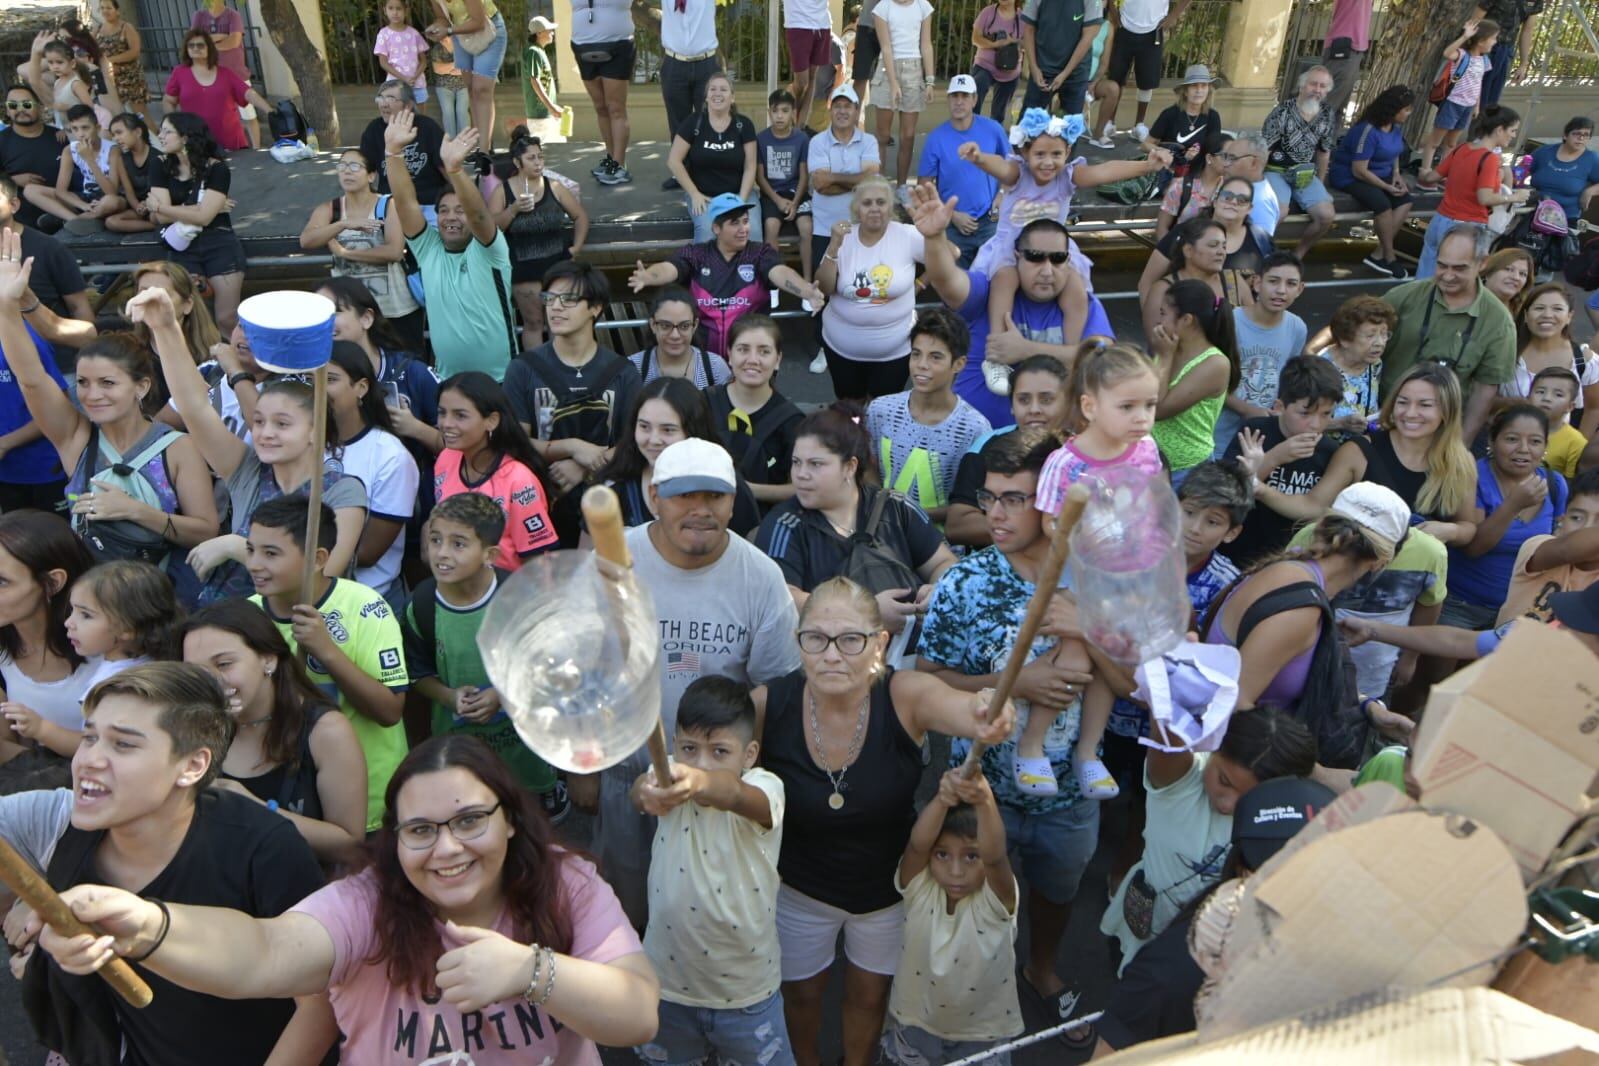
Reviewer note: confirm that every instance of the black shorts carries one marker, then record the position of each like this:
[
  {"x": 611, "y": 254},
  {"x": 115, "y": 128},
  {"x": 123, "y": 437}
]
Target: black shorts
[
  {"x": 1373, "y": 199},
  {"x": 769, "y": 212},
  {"x": 526, "y": 270},
  {"x": 618, "y": 65},
  {"x": 1140, "y": 52},
  {"x": 867, "y": 53},
  {"x": 1124, "y": 758},
  {"x": 213, "y": 253}
]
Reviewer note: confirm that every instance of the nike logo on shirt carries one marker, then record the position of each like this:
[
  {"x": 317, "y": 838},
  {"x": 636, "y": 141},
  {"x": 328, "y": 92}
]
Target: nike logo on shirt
[{"x": 1184, "y": 138}]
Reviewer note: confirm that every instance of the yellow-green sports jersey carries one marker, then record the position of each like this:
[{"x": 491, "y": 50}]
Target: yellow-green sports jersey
[{"x": 367, "y": 632}]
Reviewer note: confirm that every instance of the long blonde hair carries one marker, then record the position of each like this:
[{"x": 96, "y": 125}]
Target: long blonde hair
[
  {"x": 199, "y": 328},
  {"x": 1451, "y": 472}
]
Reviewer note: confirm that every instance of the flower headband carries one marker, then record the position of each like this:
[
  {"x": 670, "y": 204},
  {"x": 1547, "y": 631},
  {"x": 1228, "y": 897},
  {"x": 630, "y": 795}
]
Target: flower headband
[{"x": 1036, "y": 122}]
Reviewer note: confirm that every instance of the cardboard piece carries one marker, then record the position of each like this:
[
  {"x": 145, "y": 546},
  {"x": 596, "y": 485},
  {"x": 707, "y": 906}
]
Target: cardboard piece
[
  {"x": 1512, "y": 741},
  {"x": 1342, "y": 917},
  {"x": 1457, "y": 1026}
]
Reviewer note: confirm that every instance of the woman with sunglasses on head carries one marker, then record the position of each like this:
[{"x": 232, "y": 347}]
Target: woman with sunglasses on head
[
  {"x": 1247, "y": 247},
  {"x": 201, "y": 86},
  {"x": 471, "y": 932},
  {"x": 845, "y": 735},
  {"x": 366, "y": 242}
]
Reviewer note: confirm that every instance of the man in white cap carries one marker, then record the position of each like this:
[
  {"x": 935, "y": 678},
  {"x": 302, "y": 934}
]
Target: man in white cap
[
  {"x": 838, "y": 158},
  {"x": 538, "y": 77},
  {"x": 974, "y": 189},
  {"x": 724, "y": 610}
]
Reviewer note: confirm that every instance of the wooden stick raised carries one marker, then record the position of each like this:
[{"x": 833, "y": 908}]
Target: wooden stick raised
[
  {"x": 1043, "y": 592},
  {"x": 603, "y": 514},
  {"x": 313, "y": 507},
  {"x": 30, "y": 887}
]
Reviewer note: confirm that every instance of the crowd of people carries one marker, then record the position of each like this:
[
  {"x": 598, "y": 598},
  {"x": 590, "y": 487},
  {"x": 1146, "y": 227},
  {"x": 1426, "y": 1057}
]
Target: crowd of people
[{"x": 1391, "y": 489}]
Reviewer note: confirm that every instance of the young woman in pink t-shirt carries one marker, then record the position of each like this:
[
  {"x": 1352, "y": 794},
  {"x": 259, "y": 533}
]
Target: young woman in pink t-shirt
[
  {"x": 486, "y": 450},
  {"x": 471, "y": 933}
]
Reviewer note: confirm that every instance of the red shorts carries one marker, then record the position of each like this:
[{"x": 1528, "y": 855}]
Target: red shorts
[{"x": 808, "y": 49}]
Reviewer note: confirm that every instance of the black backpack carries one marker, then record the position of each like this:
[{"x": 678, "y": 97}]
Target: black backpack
[
  {"x": 581, "y": 413},
  {"x": 286, "y": 122},
  {"x": 869, "y": 563}
]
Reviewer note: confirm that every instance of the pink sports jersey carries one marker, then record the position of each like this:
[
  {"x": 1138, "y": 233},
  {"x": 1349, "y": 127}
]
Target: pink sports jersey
[
  {"x": 516, "y": 489},
  {"x": 1066, "y": 466}
]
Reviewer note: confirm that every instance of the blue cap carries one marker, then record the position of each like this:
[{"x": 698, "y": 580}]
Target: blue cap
[{"x": 725, "y": 203}]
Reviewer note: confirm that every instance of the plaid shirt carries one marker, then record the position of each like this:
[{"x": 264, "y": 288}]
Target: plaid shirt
[{"x": 1291, "y": 140}]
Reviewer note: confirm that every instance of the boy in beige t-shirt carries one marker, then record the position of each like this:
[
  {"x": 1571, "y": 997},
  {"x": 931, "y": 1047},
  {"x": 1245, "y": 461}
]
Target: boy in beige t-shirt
[
  {"x": 712, "y": 934},
  {"x": 954, "y": 992},
  {"x": 1565, "y": 562}
]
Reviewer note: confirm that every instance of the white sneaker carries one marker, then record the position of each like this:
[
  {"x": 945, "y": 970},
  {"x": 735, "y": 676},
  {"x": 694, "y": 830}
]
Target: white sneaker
[
  {"x": 1106, "y": 138},
  {"x": 905, "y": 196},
  {"x": 997, "y": 377},
  {"x": 1140, "y": 133},
  {"x": 819, "y": 364}
]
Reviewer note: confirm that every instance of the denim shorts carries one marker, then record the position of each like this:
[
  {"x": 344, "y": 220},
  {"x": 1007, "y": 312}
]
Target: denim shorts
[
  {"x": 1453, "y": 116},
  {"x": 906, "y": 1045},
  {"x": 485, "y": 64},
  {"x": 1304, "y": 199},
  {"x": 1052, "y": 850},
  {"x": 688, "y": 1035}
]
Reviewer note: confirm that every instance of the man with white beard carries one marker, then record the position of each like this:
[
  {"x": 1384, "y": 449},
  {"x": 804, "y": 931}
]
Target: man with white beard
[{"x": 1299, "y": 141}]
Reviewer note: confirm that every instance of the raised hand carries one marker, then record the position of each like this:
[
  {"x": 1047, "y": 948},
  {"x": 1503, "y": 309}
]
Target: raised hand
[
  {"x": 153, "y": 307},
  {"x": 454, "y": 150},
  {"x": 636, "y": 280},
  {"x": 14, "y": 270},
  {"x": 930, "y": 213},
  {"x": 400, "y": 131}
]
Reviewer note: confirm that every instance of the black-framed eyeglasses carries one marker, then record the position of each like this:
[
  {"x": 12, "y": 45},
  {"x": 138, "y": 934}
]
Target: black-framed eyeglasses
[
  {"x": 20, "y": 105},
  {"x": 353, "y": 166},
  {"x": 1234, "y": 197},
  {"x": 1033, "y": 255},
  {"x": 193, "y": 45},
  {"x": 1580, "y": 135},
  {"x": 815, "y": 642},
  {"x": 673, "y": 327},
  {"x": 1228, "y": 157},
  {"x": 565, "y": 299},
  {"x": 421, "y": 834},
  {"x": 1013, "y": 501}
]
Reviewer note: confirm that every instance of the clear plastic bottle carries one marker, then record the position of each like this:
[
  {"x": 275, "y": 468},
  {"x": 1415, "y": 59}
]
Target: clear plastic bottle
[{"x": 311, "y": 141}]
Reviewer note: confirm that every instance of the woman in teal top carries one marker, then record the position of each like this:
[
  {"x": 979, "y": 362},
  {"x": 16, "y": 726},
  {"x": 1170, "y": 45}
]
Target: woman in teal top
[{"x": 1194, "y": 345}]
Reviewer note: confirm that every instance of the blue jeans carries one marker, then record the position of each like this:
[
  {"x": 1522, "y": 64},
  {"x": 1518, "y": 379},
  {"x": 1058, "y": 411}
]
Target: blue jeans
[
  {"x": 1503, "y": 57},
  {"x": 485, "y": 64},
  {"x": 455, "y": 109},
  {"x": 907, "y": 1045},
  {"x": 986, "y": 225},
  {"x": 688, "y": 1035},
  {"x": 1052, "y": 850},
  {"x": 1441, "y": 224},
  {"x": 702, "y": 225},
  {"x": 1003, "y": 91},
  {"x": 1069, "y": 96}
]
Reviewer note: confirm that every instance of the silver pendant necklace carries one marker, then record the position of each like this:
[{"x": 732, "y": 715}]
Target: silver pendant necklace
[{"x": 836, "y": 799}]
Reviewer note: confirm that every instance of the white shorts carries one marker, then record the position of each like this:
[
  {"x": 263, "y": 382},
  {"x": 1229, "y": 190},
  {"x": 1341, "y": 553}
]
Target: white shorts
[
  {"x": 807, "y": 932},
  {"x": 247, "y": 113}
]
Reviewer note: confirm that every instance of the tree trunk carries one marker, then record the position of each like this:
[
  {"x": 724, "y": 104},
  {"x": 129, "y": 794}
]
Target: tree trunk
[
  {"x": 1411, "y": 47},
  {"x": 309, "y": 67}
]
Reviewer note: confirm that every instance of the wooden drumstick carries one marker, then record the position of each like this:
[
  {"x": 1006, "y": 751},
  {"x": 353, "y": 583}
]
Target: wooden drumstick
[
  {"x": 1043, "y": 592},
  {"x": 603, "y": 514},
  {"x": 31, "y": 887}
]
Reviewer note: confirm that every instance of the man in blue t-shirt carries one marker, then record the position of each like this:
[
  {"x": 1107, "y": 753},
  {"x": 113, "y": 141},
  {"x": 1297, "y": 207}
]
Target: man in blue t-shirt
[
  {"x": 974, "y": 189},
  {"x": 1042, "y": 260}
]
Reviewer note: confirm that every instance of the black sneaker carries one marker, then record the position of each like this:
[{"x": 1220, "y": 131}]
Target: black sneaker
[
  {"x": 670, "y": 184},
  {"x": 1381, "y": 266},
  {"x": 614, "y": 174},
  {"x": 557, "y": 804},
  {"x": 605, "y": 164},
  {"x": 49, "y": 224}
]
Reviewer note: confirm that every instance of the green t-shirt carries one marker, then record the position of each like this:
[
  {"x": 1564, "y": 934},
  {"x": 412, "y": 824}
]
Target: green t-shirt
[
  {"x": 1387, "y": 765},
  {"x": 1477, "y": 342},
  {"x": 452, "y": 656},
  {"x": 368, "y": 634},
  {"x": 1186, "y": 438},
  {"x": 468, "y": 303},
  {"x": 536, "y": 67}
]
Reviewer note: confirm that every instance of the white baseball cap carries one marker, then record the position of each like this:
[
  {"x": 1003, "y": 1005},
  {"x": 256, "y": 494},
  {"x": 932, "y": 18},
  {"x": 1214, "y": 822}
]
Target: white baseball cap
[
  {"x": 694, "y": 465},
  {"x": 962, "y": 83},
  {"x": 847, "y": 92},
  {"x": 1375, "y": 508}
]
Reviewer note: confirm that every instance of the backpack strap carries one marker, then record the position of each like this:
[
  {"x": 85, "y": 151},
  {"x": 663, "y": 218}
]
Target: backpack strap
[
  {"x": 1580, "y": 363},
  {"x": 875, "y": 519},
  {"x": 748, "y": 466},
  {"x": 644, "y": 363},
  {"x": 153, "y": 447},
  {"x": 705, "y": 364},
  {"x": 1288, "y": 598}
]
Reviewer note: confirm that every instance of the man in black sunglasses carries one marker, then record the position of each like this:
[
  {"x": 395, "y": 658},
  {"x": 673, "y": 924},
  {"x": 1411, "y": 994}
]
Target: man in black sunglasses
[
  {"x": 1042, "y": 264},
  {"x": 30, "y": 151}
]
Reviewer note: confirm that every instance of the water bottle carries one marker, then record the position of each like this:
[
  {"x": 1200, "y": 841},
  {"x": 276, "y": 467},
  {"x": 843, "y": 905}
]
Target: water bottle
[{"x": 311, "y": 142}]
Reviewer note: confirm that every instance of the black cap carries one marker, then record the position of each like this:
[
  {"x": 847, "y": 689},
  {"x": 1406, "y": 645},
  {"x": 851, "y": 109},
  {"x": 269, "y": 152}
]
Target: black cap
[
  {"x": 1577, "y": 610},
  {"x": 1273, "y": 811}
]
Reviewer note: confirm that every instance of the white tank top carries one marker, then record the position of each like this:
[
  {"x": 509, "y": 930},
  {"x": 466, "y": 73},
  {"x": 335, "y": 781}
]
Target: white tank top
[
  {"x": 91, "y": 188},
  {"x": 60, "y": 702}
]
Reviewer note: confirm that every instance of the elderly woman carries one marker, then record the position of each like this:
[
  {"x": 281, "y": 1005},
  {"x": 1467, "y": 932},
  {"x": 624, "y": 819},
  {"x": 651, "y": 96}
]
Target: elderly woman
[
  {"x": 713, "y": 152},
  {"x": 845, "y": 733},
  {"x": 1544, "y": 332},
  {"x": 479, "y": 40},
  {"x": 201, "y": 87},
  {"x": 1568, "y": 173},
  {"x": 869, "y": 275},
  {"x": 1366, "y": 166}
]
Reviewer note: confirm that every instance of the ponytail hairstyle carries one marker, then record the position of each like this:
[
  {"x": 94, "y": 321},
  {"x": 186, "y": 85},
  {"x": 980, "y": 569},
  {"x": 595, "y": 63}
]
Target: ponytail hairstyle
[
  {"x": 348, "y": 357},
  {"x": 1187, "y": 234},
  {"x": 1103, "y": 366},
  {"x": 199, "y": 327},
  {"x": 1215, "y": 318},
  {"x": 133, "y": 357},
  {"x": 1269, "y": 743},
  {"x": 351, "y": 294},
  {"x": 138, "y": 597},
  {"x": 521, "y": 141},
  {"x": 508, "y": 437},
  {"x": 838, "y": 429},
  {"x": 747, "y": 324},
  {"x": 1451, "y": 471},
  {"x": 1485, "y": 29},
  {"x": 302, "y": 390},
  {"x": 1494, "y": 117},
  {"x": 1515, "y": 411}
]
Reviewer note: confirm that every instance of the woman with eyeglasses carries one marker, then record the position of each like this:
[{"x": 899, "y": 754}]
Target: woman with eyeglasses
[
  {"x": 673, "y": 320},
  {"x": 836, "y": 492},
  {"x": 535, "y": 216},
  {"x": 200, "y": 86},
  {"x": 845, "y": 734},
  {"x": 470, "y": 932},
  {"x": 668, "y": 410},
  {"x": 1568, "y": 173},
  {"x": 365, "y": 239}
]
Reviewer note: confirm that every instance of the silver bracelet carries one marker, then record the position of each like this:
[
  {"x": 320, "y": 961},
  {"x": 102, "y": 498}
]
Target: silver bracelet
[
  {"x": 533, "y": 982},
  {"x": 549, "y": 982}
]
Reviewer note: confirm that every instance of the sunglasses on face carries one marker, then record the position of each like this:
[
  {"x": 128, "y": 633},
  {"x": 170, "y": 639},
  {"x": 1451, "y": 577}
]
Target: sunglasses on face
[
  {"x": 1033, "y": 255},
  {"x": 1234, "y": 198},
  {"x": 20, "y": 105}
]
